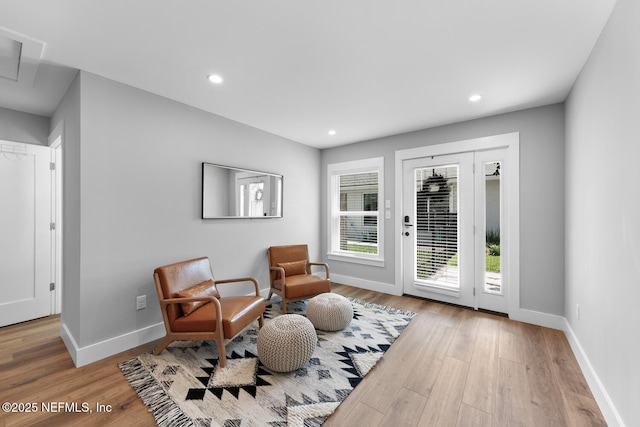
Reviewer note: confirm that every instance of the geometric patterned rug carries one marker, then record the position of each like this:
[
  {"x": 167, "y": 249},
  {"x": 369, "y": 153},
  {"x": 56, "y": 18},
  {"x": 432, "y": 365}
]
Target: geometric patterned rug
[{"x": 183, "y": 386}]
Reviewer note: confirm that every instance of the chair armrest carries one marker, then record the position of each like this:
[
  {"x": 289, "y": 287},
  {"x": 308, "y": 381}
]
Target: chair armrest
[
  {"x": 322, "y": 264},
  {"x": 281, "y": 271},
  {"x": 241, "y": 279}
]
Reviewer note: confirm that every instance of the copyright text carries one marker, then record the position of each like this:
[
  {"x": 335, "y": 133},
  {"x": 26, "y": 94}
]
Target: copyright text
[{"x": 52, "y": 407}]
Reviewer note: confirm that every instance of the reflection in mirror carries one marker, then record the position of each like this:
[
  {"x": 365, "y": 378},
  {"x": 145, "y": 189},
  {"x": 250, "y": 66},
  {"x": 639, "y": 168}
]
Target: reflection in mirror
[{"x": 229, "y": 192}]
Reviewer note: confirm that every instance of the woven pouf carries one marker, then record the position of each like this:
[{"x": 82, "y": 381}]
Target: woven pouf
[
  {"x": 329, "y": 312},
  {"x": 286, "y": 342}
]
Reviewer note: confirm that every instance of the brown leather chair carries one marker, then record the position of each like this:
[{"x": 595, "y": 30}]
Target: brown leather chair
[
  {"x": 291, "y": 277},
  {"x": 192, "y": 308}
]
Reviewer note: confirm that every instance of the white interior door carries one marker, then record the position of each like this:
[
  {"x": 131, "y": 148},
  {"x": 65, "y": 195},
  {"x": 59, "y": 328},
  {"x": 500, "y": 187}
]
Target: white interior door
[
  {"x": 454, "y": 223},
  {"x": 25, "y": 242}
]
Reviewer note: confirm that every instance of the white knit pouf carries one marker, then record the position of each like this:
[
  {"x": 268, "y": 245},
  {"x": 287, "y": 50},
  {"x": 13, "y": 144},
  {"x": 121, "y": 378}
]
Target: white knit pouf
[
  {"x": 329, "y": 312},
  {"x": 286, "y": 342}
]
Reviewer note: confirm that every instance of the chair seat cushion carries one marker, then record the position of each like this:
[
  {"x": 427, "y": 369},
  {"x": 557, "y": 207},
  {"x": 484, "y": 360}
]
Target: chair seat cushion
[
  {"x": 304, "y": 284},
  {"x": 237, "y": 312}
]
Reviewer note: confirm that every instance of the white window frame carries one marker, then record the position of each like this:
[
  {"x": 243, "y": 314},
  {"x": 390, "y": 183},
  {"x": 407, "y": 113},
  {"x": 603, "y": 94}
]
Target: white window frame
[{"x": 334, "y": 171}]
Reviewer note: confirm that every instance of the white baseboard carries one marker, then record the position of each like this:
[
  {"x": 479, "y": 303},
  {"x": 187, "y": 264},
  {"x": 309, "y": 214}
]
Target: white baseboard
[
  {"x": 84, "y": 355},
  {"x": 607, "y": 407},
  {"x": 69, "y": 342},
  {"x": 538, "y": 318},
  {"x": 369, "y": 285}
]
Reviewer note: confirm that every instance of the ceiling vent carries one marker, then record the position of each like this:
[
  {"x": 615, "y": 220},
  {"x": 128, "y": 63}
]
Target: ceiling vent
[{"x": 19, "y": 58}]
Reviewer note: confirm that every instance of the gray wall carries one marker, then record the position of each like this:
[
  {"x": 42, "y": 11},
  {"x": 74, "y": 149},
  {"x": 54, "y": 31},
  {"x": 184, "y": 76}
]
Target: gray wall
[
  {"x": 132, "y": 188},
  {"x": 603, "y": 210},
  {"x": 68, "y": 113},
  {"x": 23, "y": 127},
  {"x": 541, "y": 197}
]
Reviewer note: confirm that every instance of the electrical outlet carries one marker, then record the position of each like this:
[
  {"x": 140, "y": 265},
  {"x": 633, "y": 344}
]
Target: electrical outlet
[
  {"x": 578, "y": 311},
  {"x": 141, "y": 302}
]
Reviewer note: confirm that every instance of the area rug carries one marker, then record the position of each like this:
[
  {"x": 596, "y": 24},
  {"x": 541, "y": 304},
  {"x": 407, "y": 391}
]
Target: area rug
[{"x": 183, "y": 386}]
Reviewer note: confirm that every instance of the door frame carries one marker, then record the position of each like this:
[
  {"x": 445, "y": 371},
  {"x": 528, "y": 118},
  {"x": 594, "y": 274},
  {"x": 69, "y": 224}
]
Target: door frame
[
  {"x": 511, "y": 143},
  {"x": 56, "y": 142}
]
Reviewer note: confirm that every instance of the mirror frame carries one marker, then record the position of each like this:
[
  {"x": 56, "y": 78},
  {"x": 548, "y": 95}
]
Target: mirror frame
[{"x": 210, "y": 189}]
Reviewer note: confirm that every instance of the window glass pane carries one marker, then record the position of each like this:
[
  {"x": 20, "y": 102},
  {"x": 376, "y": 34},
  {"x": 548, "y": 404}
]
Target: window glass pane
[
  {"x": 436, "y": 192},
  {"x": 493, "y": 275},
  {"x": 356, "y": 236},
  {"x": 353, "y": 187}
]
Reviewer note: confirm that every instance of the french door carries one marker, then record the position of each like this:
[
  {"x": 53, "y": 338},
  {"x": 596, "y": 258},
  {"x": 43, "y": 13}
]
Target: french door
[{"x": 453, "y": 228}]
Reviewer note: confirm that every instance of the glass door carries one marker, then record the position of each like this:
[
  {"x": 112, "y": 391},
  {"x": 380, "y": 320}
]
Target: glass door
[
  {"x": 453, "y": 244},
  {"x": 438, "y": 228}
]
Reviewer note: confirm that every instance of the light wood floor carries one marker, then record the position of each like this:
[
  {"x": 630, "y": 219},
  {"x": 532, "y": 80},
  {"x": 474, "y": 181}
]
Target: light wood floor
[{"x": 450, "y": 367}]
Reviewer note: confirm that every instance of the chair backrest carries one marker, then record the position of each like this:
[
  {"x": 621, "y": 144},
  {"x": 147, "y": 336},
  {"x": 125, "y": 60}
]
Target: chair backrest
[
  {"x": 180, "y": 276},
  {"x": 287, "y": 254}
]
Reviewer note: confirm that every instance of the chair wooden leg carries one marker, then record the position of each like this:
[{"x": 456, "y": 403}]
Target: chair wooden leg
[
  {"x": 163, "y": 344},
  {"x": 222, "y": 353},
  {"x": 270, "y": 295},
  {"x": 284, "y": 306},
  {"x": 260, "y": 321}
]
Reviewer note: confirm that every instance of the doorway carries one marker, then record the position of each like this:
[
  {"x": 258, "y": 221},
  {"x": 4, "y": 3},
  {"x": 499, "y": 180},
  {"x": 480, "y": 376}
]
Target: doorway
[
  {"x": 25, "y": 227},
  {"x": 458, "y": 222}
]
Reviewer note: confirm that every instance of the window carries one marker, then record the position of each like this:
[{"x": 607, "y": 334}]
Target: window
[{"x": 355, "y": 222}]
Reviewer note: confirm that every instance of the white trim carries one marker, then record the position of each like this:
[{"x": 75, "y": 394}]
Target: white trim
[
  {"x": 603, "y": 399},
  {"x": 510, "y": 141},
  {"x": 538, "y": 318},
  {"x": 370, "y": 285},
  {"x": 55, "y": 140},
  {"x": 375, "y": 262},
  {"x": 84, "y": 355},
  {"x": 69, "y": 342}
]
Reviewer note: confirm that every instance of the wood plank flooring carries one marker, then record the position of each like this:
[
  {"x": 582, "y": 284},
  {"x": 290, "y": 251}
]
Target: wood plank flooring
[{"x": 450, "y": 367}]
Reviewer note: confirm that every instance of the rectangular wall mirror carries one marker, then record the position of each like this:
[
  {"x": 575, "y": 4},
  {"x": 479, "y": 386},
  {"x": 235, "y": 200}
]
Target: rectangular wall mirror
[{"x": 229, "y": 192}]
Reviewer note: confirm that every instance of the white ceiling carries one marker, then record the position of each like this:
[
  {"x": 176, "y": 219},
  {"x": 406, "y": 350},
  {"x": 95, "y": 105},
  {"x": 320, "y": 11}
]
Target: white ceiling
[{"x": 298, "y": 68}]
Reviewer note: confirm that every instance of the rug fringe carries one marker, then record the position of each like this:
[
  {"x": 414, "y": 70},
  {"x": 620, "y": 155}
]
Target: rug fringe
[
  {"x": 391, "y": 310},
  {"x": 166, "y": 412}
]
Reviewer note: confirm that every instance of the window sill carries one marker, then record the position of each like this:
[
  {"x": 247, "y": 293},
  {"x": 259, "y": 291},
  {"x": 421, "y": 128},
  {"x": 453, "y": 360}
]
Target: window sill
[{"x": 355, "y": 259}]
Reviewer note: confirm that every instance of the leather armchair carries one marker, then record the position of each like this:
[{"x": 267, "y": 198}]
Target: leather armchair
[
  {"x": 290, "y": 274},
  {"x": 193, "y": 309}
]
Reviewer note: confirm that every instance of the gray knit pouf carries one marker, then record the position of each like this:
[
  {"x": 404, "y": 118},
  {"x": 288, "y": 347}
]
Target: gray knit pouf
[
  {"x": 286, "y": 342},
  {"x": 329, "y": 312}
]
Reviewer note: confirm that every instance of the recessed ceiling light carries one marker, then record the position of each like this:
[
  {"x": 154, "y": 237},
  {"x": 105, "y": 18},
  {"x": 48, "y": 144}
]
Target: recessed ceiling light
[
  {"x": 332, "y": 132},
  {"x": 214, "y": 78},
  {"x": 475, "y": 98}
]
